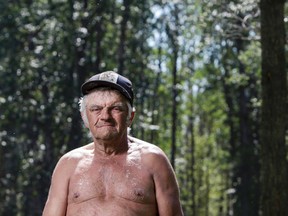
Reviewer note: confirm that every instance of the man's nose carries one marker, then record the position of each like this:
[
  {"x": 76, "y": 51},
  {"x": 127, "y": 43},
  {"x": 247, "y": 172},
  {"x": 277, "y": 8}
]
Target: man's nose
[{"x": 105, "y": 113}]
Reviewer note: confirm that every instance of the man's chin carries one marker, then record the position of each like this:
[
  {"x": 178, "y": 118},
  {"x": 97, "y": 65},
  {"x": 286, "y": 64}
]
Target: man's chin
[{"x": 107, "y": 136}]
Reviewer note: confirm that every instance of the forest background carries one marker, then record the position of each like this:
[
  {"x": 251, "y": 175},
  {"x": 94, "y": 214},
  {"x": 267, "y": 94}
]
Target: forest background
[{"x": 210, "y": 79}]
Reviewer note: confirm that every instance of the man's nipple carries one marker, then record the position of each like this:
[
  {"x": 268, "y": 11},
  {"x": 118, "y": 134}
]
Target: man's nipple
[{"x": 76, "y": 195}]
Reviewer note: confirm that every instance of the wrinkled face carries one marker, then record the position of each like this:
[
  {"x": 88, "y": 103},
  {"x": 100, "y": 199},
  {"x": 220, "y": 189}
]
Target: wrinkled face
[{"x": 107, "y": 114}]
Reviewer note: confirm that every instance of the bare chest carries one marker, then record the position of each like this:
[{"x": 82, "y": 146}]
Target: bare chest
[{"x": 109, "y": 180}]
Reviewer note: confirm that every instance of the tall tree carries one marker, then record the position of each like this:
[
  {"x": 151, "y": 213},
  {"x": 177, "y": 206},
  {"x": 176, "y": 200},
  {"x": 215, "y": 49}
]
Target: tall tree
[
  {"x": 172, "y": 30},
  {"x": 274, "y": 169},
  {"x": 123, "y": 35}
]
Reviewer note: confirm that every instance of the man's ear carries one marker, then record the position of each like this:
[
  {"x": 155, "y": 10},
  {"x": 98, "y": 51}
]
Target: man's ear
[{"x": 130, "y": 120}]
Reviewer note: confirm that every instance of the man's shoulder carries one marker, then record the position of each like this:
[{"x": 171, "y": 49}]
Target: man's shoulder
[
  {"x": 152, "y": 156},
  {"x": 138, "y": 141},
  {"x": 146, "y": 147},
  {"x": 68, "y": 162},
  {"x": 78, "y": 153}
]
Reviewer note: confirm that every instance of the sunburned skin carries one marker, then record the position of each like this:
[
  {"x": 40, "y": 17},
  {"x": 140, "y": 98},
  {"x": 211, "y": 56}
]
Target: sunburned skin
[{"x": 108, "y": 186}]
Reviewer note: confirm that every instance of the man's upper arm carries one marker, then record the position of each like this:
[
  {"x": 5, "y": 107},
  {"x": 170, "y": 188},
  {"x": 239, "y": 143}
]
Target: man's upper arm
[
  {"x": 56, "y": 203},
  {"x": 166, "y": 186}
]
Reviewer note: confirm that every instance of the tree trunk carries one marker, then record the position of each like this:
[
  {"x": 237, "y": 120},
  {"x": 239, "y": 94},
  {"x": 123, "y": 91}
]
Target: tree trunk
[
  {"x": 248, "y": 172},
  {"x": 98, "y": 29},
  {"x": 274, "y": 175},
  {"x": 78, "y": 75},
  {"x": 173, "y": 33},
  {"x": 122, "y": 42},
  {"x": 174, "y": 111}
]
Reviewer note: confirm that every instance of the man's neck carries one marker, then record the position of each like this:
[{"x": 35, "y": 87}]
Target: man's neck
[{"x": 108, "y": 148}]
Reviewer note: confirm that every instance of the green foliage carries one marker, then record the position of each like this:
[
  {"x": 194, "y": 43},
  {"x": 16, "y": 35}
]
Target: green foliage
[{"x": 48, "y": 49}]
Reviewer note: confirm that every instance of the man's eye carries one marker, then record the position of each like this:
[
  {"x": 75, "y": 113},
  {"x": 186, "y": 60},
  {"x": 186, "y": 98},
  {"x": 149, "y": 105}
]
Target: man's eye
[
  {"x": 118, "y": 108},
  {"x": 95, "y": 109}
]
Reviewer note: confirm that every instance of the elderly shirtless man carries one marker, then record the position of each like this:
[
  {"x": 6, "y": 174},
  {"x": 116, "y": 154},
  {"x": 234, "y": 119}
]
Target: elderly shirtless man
[{"x": 115, "y": 175}]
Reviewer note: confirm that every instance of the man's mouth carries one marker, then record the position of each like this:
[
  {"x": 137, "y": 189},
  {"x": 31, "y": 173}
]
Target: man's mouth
[{"x": 104, "y": 125}]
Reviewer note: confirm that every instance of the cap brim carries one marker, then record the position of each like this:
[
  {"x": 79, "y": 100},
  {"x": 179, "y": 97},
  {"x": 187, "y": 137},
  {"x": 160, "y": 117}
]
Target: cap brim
[{"x": 87, "y": 87}]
